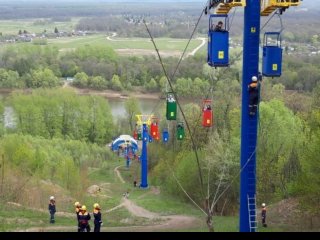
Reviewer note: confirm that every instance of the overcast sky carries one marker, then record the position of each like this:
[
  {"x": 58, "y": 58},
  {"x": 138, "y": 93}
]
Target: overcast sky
[{"x": 305, "y": 3}]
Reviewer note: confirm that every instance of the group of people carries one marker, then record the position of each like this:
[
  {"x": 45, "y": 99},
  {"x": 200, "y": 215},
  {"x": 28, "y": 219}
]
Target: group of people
[{"x": 83, "y": 217}]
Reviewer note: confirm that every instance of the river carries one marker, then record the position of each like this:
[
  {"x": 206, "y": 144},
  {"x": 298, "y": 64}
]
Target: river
[{"x": 118, "y": 109}]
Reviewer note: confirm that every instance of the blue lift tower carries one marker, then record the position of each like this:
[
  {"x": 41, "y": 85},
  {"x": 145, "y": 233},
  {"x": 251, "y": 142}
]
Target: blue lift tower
[
  {"x": 249, "y": 123},
  {"x": 144, "y": 121}
]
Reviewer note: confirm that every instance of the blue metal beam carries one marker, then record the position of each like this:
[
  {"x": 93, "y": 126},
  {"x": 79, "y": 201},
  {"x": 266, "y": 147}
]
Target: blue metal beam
[
  {"x": 249, "y": 123},
  {"x": 144, "y": 157}
]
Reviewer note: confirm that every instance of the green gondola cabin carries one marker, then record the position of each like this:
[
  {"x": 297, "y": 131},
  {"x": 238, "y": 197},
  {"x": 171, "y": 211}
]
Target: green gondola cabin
[
  {"x": 180, "y": 131},
  {"x": 171, "y": 107}
]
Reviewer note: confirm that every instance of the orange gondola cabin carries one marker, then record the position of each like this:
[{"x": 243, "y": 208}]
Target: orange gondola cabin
[
  {"x": 207, "y": 114},
  {"x": 154, "y": 128}
]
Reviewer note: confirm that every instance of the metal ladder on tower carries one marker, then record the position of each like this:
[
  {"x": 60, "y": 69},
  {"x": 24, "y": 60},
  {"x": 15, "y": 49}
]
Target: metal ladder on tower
[{"x": 253, "y": 223}]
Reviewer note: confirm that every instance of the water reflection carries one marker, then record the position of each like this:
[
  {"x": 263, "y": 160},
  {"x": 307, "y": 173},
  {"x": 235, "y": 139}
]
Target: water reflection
[{"x": 118, "y": 109}]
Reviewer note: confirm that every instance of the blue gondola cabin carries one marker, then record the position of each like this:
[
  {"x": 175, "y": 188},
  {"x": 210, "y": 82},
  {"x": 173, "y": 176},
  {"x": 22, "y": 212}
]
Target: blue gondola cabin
[
  {"x": 272, "y": 55},
  {"x": 165, "y": 135},
  {"x": 207, "y": 114},
  {"x": 218, "y": 43}
]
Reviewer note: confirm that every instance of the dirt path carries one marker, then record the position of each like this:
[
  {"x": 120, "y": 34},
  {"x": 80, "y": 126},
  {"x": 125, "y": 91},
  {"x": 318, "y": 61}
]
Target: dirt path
[
  {"x": 157, "y": 222},
  {"x": 118, "y": 174},
  {"x": 197, "y": 48}
]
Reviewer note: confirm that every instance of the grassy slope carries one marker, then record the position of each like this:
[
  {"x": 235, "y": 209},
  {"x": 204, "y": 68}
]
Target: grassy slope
[{"x": 13, "y": 218}]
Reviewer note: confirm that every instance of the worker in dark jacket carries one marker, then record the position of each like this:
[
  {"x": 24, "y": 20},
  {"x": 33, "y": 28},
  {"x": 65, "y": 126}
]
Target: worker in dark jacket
[
  {"x": 253, "y": 96},
  {"x": 84, "y": 218},
  {"x": 97, "y": 217},
  {"x": 264, "y": 215},
  {"x": 77, "y": 210},
  {"x": 52, "y": 209}
]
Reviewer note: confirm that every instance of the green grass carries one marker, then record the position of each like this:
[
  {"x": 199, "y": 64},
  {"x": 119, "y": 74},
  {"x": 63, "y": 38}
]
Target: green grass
[
  {"x": 13, "y": 26},
  {"x": 163, "y": 44},
  {"x": 13, "y": 218},
  {"x": 163, "y": 203}
]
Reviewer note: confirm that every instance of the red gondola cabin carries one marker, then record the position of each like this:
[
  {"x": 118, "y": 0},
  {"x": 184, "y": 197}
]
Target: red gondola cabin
[
  {"x": 154, "y": 129},
  {"x": 135, "y": 134},
  {"x": 207, "y": 115}
]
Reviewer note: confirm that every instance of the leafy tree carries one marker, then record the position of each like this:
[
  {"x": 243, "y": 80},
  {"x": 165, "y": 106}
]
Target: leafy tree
[
  {"x": 132, "y": 108},
  {"x": 81, "y": 80},
  {"x": 279, "y": 133},
  {"x": 10, "y": 79},
  {"x": 63, "y": 114},
  {"x": 43, "y": 78},
  {"x": 116, "y": 83},
  {"x": 98, "y": 82},
  {"x": 152, "y": 85}
]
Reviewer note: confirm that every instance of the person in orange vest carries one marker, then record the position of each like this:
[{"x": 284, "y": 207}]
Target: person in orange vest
[
  {"x": 52, "y": 209},
  {"x": 77, "y": 210},
  {"x": 253, "y": 96},
  {"x": 84, "y": 218},
  {"x": 97, "y": 217},
  {"x": 264, "y": 214}
]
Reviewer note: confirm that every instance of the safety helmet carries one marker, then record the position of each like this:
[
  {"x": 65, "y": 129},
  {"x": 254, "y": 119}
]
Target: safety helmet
[
  {"x": 84, "y": 208},
  {"x": 96, "y": 205},
  {"x": 263, "y": 204},
  {"x": 52, "y": 198},
  {"x": 76, "y": 204},
  {"x": 254, "y": 79}
]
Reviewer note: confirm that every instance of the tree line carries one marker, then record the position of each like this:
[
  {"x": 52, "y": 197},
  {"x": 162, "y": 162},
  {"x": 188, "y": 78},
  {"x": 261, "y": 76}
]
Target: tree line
[{"x": 99, "y": 67}]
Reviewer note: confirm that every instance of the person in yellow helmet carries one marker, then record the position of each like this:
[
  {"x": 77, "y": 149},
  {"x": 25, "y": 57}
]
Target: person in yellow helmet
[
  {"x": 263, "y": 214},
  {"x": 97, "y": 217},
  {"x": 84, "y": 218},
  {"x": 77, "y": 210},
  {"x": 52, "y": 209}
]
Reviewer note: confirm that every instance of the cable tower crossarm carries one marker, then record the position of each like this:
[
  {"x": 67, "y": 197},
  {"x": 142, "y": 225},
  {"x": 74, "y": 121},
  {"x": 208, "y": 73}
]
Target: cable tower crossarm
[
  {"x": 225, "y": 6},
  {"x": 141, "y": 119},
  {"x": 269, "y": 6}
]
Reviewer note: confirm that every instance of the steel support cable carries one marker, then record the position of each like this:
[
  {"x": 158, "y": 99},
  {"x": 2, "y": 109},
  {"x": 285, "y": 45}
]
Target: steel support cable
[
  {"x": 184, "y": 51},
  {"x": 176, "y": 97},
  {"x": 180, "y": 105},
  {"x": 235, "y": 177}
]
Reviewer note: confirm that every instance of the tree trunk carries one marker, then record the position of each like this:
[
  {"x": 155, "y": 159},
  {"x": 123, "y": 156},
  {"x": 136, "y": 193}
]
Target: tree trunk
[
  {"x": 209, "y": 216},
  {"x": 210, "y": 223}
]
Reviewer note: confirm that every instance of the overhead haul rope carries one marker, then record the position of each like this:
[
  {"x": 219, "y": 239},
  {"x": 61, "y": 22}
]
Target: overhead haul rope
[
  {"x": 166, "y": 75},
  {"x": 211, "y": 89},
  {"x": 175, "y": 95}
]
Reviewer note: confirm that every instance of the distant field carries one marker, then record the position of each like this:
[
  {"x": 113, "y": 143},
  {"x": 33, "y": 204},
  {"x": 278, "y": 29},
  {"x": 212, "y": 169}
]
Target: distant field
[
  {"x": 124, "y": 46},
  {"x": 122, "y": 43},
  {"x": 135, "y": 46},
  {"x": 13, "y": 26}
]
